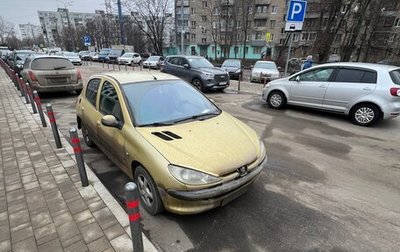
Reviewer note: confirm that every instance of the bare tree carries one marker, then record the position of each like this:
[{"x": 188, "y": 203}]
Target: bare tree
[
  {"x": 246, "y": 7},
  {"x": 214, "y": 23},
  {"x": 152, "y": 17},
  {"x": 6, "y": 30}
]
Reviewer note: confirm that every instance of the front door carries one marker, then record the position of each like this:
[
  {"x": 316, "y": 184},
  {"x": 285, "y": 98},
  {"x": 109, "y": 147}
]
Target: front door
[
  {"x": 308, "y": 89},
  {"x": 112, "y": 139}
]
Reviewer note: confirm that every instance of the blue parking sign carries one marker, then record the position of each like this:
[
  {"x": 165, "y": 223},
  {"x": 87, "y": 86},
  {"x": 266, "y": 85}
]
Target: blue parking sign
[
  {"x": 86, "y": 40},
  {"x": 296, "y": 11}
]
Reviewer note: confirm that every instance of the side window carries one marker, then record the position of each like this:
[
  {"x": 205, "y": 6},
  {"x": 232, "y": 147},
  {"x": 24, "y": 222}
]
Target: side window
[
  {"x": 109, "y": 103},
  {"x": 183, "y": 61},
  {"x": 173, "y": 60},
  {"x": 317, "y": 75},
  {"x": 26, "y": 64},
  {"x": 91, "y": 91},
  {"x": 355, "y": 76}
]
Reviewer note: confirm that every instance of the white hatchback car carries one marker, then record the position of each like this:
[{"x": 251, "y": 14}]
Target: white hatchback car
[
  {"x": 264, "y": 70},
  {"x": 365, "y": 92}
]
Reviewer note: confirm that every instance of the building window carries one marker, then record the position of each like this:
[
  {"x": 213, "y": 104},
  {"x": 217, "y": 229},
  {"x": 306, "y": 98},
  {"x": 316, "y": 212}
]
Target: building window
[
  {"x": 204, "y": 4},
  {"x": 248, "y": 37},
  {"x": 193, "y": 24},
  {"x": 282, "y": 41},
  {"x": 204, "y": 18},
  {"x": 296, "y": 37},
  {"x": 258, "y": 35},
  {"x": 274, "y": 9},
  {"x": 238, "y": 24},
  {"x": 397, "y": 22},
  {"x": 203, "y": 40},
  {"x": 260, "y": 22},
  {"x": 273, "y": 23},
  {"x": 249, "y": 10},
  {"x": 192, "y": 10},
  {"x": 238, "y": 37},
  {"x": 272, "y": 37},
  {"x": 257, "y": 50},
  {"x": 261, "y": 8},
  {"x": 246, "y": 49},
  {"x": 312, "y": 36},
  {"x": 215, "y": 11},
  {"x": 236, "y": 49},
  {"x": 192, "y": 36}
]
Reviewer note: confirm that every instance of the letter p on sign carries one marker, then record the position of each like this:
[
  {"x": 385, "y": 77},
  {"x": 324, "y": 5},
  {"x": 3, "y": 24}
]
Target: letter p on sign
[{"x": 296, "y": 11}]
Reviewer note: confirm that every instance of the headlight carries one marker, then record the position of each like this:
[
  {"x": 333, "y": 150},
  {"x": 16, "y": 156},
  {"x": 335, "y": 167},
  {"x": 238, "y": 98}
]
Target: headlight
[
  {"x": 209, "y": 75},
  {"x": 189, "y": 176},
  {"x": 237, "y": 71},
  {"x": 19, "y": 65}
]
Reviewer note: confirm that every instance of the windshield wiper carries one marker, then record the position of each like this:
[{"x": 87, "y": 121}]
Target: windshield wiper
[
  {"x": 156, "y": 124},
  {"x": 60, "y": 67},
  {"x": 199, "y": 117}
]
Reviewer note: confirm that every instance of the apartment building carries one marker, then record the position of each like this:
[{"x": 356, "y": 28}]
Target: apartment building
[
  {"x": 29, "y": 31},
  {"x": 229, "y": 28}
]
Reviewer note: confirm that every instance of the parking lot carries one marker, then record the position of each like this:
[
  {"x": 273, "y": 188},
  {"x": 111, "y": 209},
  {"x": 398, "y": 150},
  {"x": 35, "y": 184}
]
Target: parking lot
[{"x": 329, "y": 185}]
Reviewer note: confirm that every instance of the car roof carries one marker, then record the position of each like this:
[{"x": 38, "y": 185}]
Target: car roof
[
  {"x": 265, "y": 61},
  {"x": 136, "y": 77},
  {"x": 187, "y": 56},
  {"x": 41, "y": 56},
  {"x": 372, "y": 66}
]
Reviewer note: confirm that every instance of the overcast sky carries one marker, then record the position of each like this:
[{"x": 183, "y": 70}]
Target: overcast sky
[{"x": 24, "y": 11}]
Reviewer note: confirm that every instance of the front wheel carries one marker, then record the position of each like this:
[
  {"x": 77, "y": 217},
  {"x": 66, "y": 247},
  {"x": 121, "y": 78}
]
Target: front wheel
[
  {"x": 198, "y": 84},
  {"x": 276, "y": 100},
  {"x": 148, "y": 191},
  {"x": 365, "y": 114},
  {"x": 86, "y": 137}
]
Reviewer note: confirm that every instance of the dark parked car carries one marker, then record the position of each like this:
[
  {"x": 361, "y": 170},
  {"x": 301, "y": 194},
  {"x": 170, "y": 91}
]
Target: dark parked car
[
  {"x": 103, "y": 54},
  {"x": 114, "y": 55},
  {"x": 17, "y": 59},
  {"x": 198, "y": 71},
  {"x": 234, "y": 67},
  {"x": 46, "y": 73}
]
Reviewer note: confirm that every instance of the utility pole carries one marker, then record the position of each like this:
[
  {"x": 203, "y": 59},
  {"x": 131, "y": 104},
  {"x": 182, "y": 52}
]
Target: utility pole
[
  {"x": 121, "y": 22},
  {"x": 183, "y": 29}
]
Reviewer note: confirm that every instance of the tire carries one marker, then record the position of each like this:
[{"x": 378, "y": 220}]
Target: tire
[
  {"x": 276, "y": 100},
  {"x": 149, "y": 195},
  {"x": 196, "y": 82},
  {"x": 86, "y": 137},
  {"x": 365, "y": 114}
]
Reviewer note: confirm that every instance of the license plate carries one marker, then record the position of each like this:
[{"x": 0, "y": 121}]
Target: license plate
[{"x": 222, "y": 83}]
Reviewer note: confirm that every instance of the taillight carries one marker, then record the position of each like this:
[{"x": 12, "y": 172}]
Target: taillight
[
  {"x": 32, "y": 76},
  {"x": 395, "y": 91},
  {"x": 78, "y": 74}
]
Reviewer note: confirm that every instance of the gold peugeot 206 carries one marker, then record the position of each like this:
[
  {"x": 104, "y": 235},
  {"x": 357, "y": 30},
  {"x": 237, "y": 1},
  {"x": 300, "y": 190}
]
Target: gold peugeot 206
[{"x": 185, "y": 154}]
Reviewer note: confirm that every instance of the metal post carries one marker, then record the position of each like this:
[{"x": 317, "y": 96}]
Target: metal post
[
  {"x": 39, "y": 107},
  {"x": 126, "y": 67},
  {"x": 20, "y": 86},
  {"x": 53, "y": 124},
  {"x": 119, "y": 67},
  {"x": 78, "y": 156},
  {"x": 183, "y": 31},
  {"x": 29, "y": 93},
  {"x": 24, "y": 89},
  {"x": 16, "y": 78},
  {"x": 108, "y": 64},
  {"x": 240, "y": 77},
  {"x": 113, "y": 64},
  {"x": 103, "y": 63},
  {"x": 288, "y": 54},
  {"x": 132, "y": 206}
]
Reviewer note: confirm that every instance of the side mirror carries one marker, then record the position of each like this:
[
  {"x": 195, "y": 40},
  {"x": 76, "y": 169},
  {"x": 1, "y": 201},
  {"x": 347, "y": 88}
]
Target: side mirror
[
  {"x": 297, "y": 78},
  {"x": 110, "y": 121},
  {"x": 186, "y": 66},
  {"x": 251, "y": 66}
]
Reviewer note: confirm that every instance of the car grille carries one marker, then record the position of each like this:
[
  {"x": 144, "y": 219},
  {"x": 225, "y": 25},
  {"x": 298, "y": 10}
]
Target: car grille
[{"x": 221, "y": 77}]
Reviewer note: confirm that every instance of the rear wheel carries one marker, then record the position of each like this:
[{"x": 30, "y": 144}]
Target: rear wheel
[
  {"x": 86, "y": 137},
  {"x": 276, "y": 100},
  {"x": 148, "y": 191},
  {"x": 365, "y": 114}
]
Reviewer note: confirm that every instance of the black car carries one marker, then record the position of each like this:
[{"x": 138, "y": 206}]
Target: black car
[
  {"x": 234, "y": 67},
  {"x": 196, "y": 70},
  {"x": 18, "y": 58}
]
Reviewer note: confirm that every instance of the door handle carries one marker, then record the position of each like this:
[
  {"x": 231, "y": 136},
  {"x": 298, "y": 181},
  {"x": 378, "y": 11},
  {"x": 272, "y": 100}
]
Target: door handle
[
  {"x": 367, "y": 89},
  {"x": 322, "y": 86}
]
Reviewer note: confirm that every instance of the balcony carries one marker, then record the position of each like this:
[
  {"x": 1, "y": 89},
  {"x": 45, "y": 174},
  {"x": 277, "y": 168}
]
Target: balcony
[
  {"x": 227, "y": 2},
  {"x": 185, "y": 3},
  {"x": 259, "y": 2},
  {"x": 258, "y": 42},
  {"x": 262, "y": 15}
]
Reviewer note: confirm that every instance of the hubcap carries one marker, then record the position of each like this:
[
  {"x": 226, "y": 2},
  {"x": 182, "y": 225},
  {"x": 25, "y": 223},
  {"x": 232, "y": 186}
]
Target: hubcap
[
  {"x": 145, "y": 191},
  {"x": 276, "y": 100},
  {"x": 364, "y": 115},
  {"x": 196, "y": 83},
  {"x": 86, "y": 135}
]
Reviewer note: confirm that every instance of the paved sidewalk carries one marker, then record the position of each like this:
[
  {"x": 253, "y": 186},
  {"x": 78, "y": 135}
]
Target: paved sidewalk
[
  {"x": 246, "y": 87},
  {"x": 43, "y": 206}
]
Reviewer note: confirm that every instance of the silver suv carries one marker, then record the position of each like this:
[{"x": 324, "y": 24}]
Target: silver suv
[{"x": 365, "y": 92}]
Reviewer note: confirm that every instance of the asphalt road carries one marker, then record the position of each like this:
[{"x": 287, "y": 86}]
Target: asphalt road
[{"x": 329, "y": 185}]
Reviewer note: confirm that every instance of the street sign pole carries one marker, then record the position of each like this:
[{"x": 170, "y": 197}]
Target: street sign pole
[{"x": 288, "y": 54}]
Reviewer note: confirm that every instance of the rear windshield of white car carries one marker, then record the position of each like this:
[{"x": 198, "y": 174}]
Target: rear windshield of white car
[
  {"x": 265, "y": 65},
  {"x": 51, "y": 64},
  {"x": 395, "y": 75}
]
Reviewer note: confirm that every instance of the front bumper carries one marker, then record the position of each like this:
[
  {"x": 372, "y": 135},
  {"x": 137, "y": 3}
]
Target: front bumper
[{"x": 191, "y": 202}]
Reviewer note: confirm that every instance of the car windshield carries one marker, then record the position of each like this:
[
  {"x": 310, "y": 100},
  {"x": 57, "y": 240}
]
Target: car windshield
[
  {"x": 153, "y": 58},
  {"x": 102, "y": 52},
  {"x": 115, "y": 52},
  {"x": 231, "y": 63},
  {"x": 157, "y": 103},
  {"x": 265, "y": 65},
  {"x": 51, "y": 64},
  {"x": 127, "y": 55},
  {"x": 395, "y": 75},
  {"x": 199, "y": 62},
  {"x": 23, "y": 55},
  {"x": 70, "y": 54}
]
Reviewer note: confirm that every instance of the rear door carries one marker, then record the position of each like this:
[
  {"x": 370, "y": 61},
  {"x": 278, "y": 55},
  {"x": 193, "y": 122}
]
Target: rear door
[
  {"x": 348, "y": 85},
  {"x": 308, "y": 88},
  {"x": 89, "y": 106}
]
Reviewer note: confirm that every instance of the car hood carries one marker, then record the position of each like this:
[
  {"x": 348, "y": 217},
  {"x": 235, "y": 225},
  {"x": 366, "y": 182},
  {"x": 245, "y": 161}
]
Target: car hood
[
  {"x": 265, "y": 71},
  {"x": 73, "y": 58},
  {"x": 230, "y": 69},
  {"x": 213, "y": 70},
  {"x": 217, "y": 146}
]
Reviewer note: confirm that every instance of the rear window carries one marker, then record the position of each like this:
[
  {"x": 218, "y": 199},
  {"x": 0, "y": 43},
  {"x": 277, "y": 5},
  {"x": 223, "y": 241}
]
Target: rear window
[
  {"x": 395, "y": 75},
  {"x": 52, "y": 64},
  {"x": 355, "y": 76}
]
